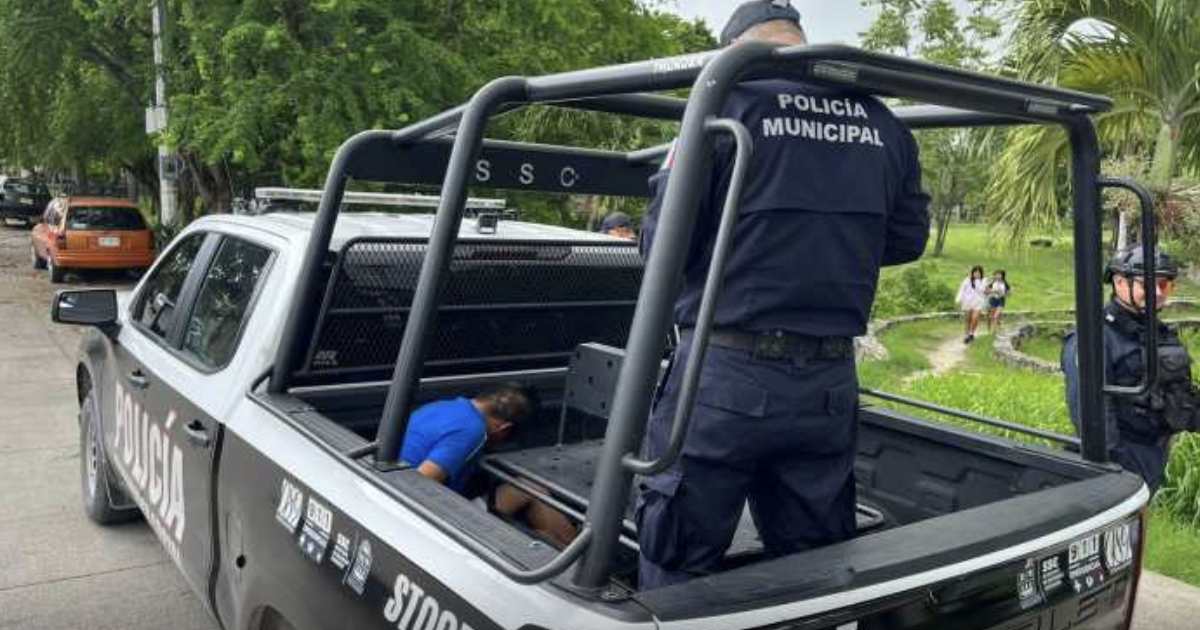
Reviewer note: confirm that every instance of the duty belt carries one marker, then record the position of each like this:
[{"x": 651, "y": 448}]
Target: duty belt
[{"x": 780, "y": 345}]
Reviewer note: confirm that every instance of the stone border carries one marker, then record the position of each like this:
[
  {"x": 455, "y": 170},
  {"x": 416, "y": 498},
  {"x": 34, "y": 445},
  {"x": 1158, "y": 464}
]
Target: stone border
[{"x": 1006, "y": 348}]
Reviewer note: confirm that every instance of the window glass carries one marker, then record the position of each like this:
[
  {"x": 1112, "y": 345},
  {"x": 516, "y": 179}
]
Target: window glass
[
  {"x": 223, "y": 301},
  {"x": 156, "y": 305},
  {"x": 104, "y": 218},
  {"x": 24, "y": 188}
]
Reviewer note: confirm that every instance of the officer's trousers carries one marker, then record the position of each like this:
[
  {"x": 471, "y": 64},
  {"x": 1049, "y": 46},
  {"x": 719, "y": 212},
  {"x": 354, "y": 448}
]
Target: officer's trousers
[{"x": 780, "y": 434}]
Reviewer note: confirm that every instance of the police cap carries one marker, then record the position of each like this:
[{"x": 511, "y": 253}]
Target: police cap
[
  {"x": 1131, "y": 262},
  {"x": 751, "y": 14},
  {"x": 616, "y": 220}
]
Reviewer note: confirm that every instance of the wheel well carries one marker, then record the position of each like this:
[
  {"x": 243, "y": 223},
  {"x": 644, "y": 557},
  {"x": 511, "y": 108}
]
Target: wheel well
[
  {"x": 83, "y": 382},
  {"x": 269, "y": 619}
]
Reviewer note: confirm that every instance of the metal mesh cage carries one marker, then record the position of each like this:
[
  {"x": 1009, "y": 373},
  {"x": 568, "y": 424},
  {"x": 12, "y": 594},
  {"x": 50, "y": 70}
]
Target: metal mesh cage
[{"x": 506, "y": 305}]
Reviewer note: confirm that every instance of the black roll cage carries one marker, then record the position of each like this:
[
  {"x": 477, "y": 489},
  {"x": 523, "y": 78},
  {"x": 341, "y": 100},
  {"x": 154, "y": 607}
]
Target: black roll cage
[{"x": 449, "y": 149}]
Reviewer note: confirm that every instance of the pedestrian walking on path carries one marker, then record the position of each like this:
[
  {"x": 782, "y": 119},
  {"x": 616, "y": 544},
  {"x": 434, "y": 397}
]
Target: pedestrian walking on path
[
  {"x": 971, "y": 298},
  {"x": 998, "y": 289}
]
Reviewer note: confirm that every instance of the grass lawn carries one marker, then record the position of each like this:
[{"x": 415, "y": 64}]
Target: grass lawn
[
  {"x": 1044, "y": 347},
  {"x": 1042, "y": 277},
  {"x": 1172, "y": 549},
  {"x": 908, "y": 348},
  {"x": 1043, "y": 281}
]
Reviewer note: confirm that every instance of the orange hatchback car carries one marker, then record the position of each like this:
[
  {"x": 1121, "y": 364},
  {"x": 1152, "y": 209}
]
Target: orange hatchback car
[{"x": 90, "y": 233}]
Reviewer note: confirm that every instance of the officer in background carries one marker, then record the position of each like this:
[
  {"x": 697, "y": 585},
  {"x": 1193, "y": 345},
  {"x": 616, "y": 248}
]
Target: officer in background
[
  {"x": 833, "y": 192},
  {"x": 1139, "y": 427},
  {"x": 618, "y": 224}
]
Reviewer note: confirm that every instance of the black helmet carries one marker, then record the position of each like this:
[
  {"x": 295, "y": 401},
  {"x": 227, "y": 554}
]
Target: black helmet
[{"x": 1131, "y": 262}]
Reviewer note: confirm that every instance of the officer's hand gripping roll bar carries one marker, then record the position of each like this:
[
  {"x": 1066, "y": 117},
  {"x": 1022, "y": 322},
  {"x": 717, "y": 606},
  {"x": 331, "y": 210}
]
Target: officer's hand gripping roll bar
[
  {"x": 708, "y": 303},
  {"x": 1149, "y": 237}
]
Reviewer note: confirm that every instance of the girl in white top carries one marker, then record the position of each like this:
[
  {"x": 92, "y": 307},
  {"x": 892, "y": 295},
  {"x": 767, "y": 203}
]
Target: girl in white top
[
  {"x": 998, "y": 289},
  {"x": 971, "y": 298}
]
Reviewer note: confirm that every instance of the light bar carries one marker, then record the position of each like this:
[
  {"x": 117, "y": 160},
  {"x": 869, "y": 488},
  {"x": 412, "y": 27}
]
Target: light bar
[{"x": 372, "y": 199}]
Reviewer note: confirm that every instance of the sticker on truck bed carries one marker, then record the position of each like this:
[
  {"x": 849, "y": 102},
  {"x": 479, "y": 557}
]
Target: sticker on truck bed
[{"x": 1083, "y": 563}]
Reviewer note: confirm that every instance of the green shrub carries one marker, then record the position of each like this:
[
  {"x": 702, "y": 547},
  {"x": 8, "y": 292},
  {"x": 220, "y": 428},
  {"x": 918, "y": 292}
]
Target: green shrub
[
  {"x": 914, "y": 289},
  {"x": 1180, "y": 494}
]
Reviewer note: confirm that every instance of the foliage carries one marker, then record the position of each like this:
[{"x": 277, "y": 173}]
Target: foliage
[
  {"x": 264, "y": 91},
  {"x": 913, "y": 290},
  {"x": 1143, "y": 54},
  {"x": 1172, "y": 548},
  {"x": 74, "y": 79},
  {"x": 1180, "y": 494},
  {"x": 954, "y": 161}
]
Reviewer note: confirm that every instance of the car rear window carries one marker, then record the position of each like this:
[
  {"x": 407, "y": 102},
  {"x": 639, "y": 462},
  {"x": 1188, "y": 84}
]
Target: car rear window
[
  {"x": 25, "y": 188},
  {"x": 104, "y": 218}
]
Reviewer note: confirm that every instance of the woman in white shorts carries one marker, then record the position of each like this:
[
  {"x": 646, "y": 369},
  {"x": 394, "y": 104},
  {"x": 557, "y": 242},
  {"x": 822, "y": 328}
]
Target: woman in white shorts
[{"x": 971, "y": 298}]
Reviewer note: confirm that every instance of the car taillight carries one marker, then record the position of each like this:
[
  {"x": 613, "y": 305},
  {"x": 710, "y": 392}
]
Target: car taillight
[{"x": 60, "y": 241}]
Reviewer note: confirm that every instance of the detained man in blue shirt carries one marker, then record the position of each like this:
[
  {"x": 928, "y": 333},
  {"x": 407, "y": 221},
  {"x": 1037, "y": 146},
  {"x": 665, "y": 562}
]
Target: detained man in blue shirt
[{"x": 444, "y": 438}]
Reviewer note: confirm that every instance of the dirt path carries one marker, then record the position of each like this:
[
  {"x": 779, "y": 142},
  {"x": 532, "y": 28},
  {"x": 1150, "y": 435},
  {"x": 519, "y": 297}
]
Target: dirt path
[{"x": 948, "y": 355}]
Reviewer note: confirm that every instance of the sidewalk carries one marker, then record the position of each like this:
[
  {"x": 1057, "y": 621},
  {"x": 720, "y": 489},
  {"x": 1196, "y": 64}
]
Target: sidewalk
[{"x": 60, "y": 571}]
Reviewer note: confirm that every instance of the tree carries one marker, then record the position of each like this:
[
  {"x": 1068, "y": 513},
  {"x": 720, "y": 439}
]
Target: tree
[
  {"x": 73, "y": 85},
  {"x": 264, "y": 91},
  {"x": 1145, "y": 54},
  {"x": 953, "y": 160}
]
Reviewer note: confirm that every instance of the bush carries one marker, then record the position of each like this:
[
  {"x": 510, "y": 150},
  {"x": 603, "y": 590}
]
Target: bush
[
  {"x": 914, "y": 290},
  {"x": 1180, "y": 494}
]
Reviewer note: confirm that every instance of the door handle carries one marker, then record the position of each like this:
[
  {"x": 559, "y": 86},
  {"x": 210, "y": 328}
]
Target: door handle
[
  {"x": 197, "y": 434},
  {"x": 138, "y": 379}
]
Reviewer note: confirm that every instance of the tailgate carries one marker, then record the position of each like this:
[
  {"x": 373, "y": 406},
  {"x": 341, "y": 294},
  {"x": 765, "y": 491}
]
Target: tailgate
[
  {"x": 108, "y": 240},
  {"x": 1063, "y": 557}
]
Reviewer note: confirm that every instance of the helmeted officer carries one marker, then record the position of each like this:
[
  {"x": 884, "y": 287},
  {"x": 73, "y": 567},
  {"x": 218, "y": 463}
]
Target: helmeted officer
[
  {"x": 833, "y": 192},
  {"x": 1139, "y": 427}
]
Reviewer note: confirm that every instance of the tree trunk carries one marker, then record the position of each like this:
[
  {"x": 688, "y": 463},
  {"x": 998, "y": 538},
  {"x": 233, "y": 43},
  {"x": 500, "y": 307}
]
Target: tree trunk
[
  {"x": 942, "y": 219},
  {"x": 1122, "y": 230},
  {"x": 1166, "y": 148}
]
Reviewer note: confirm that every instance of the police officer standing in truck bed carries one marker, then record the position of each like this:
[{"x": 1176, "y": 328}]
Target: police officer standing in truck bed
[
  {"x": 833, "y": 192},
  {"x": 1139, "y": 427}
]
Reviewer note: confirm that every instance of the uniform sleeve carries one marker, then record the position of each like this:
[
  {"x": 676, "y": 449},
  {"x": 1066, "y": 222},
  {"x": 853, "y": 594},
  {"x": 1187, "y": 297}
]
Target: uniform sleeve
[
  {"x": 707, "y": 217},
  {"x": 908, "y": 223},
  {"x": 455, "y": 449},
  {"x": 1070, "y": 368},
  {"x": 658, "y": 183}
]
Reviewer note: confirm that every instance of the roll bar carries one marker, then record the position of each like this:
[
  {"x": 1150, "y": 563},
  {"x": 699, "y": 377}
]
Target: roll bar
[
  {"x": 1150, "y": 313},
  {"x": 450, "y": 149}
]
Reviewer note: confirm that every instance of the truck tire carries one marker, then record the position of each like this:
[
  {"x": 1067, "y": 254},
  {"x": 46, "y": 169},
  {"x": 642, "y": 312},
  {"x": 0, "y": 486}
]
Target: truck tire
[
  {"x": 57, "y": 274},
  {"x": 95, "y": 471},
  {"x": 37, "y": 261}
]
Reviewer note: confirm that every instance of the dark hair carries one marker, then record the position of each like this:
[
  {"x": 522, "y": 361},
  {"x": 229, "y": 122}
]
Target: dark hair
[
  {"x": 1004, "y": 279},
  {"x": 982, "y": 275},
  {"x": 511, "y": 402}
]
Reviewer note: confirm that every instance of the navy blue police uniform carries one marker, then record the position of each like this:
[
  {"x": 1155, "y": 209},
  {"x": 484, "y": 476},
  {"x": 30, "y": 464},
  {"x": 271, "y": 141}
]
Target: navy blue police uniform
[
  {"x": 833, "y": 193},
  {"x": 1139, "y": 435}
]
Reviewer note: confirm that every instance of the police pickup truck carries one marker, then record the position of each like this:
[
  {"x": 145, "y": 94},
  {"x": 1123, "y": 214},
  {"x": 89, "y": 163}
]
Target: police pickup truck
[{"x": 249, "y": 398}]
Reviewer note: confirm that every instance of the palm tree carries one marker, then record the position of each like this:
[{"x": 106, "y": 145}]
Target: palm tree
[{"x": 1145, "y": 54}]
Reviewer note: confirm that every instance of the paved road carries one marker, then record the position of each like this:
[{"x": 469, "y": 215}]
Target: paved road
[{"x": 59, "y": 571}]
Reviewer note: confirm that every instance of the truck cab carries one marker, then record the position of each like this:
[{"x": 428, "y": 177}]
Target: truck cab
[{"x": 250, "y": 397}]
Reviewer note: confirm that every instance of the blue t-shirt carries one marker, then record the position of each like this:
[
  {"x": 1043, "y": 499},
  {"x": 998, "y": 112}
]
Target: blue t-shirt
[{"x": 449, "y": 433}]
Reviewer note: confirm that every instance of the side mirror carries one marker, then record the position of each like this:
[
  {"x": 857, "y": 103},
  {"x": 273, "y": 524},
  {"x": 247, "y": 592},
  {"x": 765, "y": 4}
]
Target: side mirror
[{"x": 88, "y": 307}]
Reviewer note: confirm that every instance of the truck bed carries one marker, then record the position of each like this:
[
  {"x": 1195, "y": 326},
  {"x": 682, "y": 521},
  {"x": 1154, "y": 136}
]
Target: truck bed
[{"x": 931, "y": 495}]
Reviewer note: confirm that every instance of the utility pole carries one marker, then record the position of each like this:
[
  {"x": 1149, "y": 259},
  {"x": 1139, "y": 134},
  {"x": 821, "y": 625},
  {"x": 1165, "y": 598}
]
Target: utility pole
[{"x": 156, "y": 122}]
